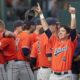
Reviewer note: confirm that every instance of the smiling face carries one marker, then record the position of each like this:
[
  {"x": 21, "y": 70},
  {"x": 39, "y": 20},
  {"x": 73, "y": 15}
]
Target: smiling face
[{"x": 63, "y": 33}]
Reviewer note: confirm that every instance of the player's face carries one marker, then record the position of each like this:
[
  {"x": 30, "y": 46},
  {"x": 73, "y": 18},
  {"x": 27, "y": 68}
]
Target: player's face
[
  {"x": 38, "y": 27},
  {"x": 53, "y": 28},
  {"x": 19, "y": 29},
  {"x": 62, "y": 34}
]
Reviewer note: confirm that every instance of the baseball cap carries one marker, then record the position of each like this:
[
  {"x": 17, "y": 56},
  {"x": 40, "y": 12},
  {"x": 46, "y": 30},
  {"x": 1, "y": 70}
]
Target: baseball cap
[
  {"x": 18, "y": 23},
  {"x": 36, "y": 21},
  {"x": 51, "y": 21},
  {"x": 30, "y": 22}
]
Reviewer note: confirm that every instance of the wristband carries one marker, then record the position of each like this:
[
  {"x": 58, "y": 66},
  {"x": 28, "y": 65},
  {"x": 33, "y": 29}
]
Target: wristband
[
  {"x": 73, "y": 15},
  {"x": 41, "y": 16}
]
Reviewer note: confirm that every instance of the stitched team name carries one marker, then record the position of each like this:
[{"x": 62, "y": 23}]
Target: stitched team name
[{"x": 59, "y": 50}]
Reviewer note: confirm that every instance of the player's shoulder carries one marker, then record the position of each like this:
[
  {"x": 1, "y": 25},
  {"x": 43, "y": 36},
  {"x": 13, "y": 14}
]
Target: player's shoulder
[
  {"x": 8, "y": 40},
  {"x": 24, "y": 35}
]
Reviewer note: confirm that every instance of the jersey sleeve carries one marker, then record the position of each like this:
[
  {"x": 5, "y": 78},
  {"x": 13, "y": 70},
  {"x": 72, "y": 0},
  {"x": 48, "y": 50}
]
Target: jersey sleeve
[
  {"x": 34, "y": 51},
  {"x": 26, "y": 43}
]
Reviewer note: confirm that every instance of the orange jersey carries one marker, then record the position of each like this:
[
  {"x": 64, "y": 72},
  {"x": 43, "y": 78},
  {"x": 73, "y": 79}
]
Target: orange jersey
[
  {"x": 2, "y": 58},
  {"x": 62, "y": 54},
  {"x": 22, "y": 41},
  {"x": 7, "y": 45},
  {"x": 33, "y": 38},
  {"x": 39, "y": 51}
]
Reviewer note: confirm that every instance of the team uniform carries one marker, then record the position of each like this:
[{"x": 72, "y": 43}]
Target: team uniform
[
  {"x": 62, "y": 56},
  {"x": 7, "y": 45},
  {"x": 3, "y": 75},
  {"x": 39, "y": 52},
  {"x": 34, "y": 38},
  {"x": 23, "y": 71}
]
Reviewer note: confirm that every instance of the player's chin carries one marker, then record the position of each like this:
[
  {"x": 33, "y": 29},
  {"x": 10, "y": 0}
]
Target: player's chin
[{"x": 60, "y": 37}]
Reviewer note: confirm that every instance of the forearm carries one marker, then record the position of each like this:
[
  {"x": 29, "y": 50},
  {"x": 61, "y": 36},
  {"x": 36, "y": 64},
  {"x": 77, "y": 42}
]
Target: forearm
[
  {"x": 43, "y": 21},
  {"x": 8, "y": 34},
  {"x": 73, "y": 17}
]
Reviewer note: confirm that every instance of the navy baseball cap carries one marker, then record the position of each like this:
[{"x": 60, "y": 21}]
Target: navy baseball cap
[
  {"x": 18, "y": 23},
  {"x": 31, "y": 22},
  {"x": 36, "y": 21},
  {"x": 52, "y": 21}
]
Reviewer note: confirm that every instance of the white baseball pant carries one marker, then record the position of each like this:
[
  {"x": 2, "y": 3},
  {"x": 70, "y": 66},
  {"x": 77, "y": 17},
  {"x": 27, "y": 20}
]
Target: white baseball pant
[
  {"x": 54, "y": 76},
  {"x": 19, "y": 70},
  {"x": 3, "y": 75},
  {"x": 43, "y": 73}
]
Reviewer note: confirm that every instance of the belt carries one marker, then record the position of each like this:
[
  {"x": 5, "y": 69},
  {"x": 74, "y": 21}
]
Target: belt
[
  {"x": 62, "y": 73},
  {"x": 43, "y": 67},
  {"x": 18, "y": 60},
  {"x": 13, "y": 61}
]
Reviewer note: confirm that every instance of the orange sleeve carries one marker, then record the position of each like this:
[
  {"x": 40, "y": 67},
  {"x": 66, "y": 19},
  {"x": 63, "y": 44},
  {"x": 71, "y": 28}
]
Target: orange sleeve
[
  {"x": 26, "y": 43},
  {"x": 34, "y": 50},
  {"x": 4, "y": 43}
]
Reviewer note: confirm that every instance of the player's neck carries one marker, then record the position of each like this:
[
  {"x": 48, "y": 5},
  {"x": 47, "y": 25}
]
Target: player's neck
[
  {"x": 27, "y": 31},
  {"x": 64, "y": 39}
]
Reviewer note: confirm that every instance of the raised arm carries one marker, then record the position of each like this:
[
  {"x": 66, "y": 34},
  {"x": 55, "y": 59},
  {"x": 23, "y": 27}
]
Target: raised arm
[
  {"x": 43, "y": 21},
  {"x": 42, "y": 18},
  {"x": 72, "y": 12}
]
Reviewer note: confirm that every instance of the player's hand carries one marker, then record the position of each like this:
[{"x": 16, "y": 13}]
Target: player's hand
[
  {"x": 9, "y": 34},
  {"x": 38, "y": 9},
  {"x": 77, "y": 58},
  {"x": 72, "y": 10}
]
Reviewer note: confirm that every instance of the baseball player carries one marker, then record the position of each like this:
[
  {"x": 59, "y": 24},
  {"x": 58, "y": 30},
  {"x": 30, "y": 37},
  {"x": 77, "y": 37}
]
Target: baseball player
[
  {"x": 23, "y": 70},
  {"x": 3, "y": 34},
  {"x": 35, "y": 34},
  {"x": 2, "y": 59},
  {"x": 18, "y": 24},
  {"x": 38, "y": 52},
  {"x": 8, "y": 47},
  {"x": 34, "y": 37},
  {"x": 63, "y": 47}
]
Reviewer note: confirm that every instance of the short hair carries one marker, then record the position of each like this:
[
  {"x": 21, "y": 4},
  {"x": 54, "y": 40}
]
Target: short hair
[
  {"x": 66, "y": 28},
  {"x": 2, "y": 23},
  {"x": 27, "y": 25}
]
